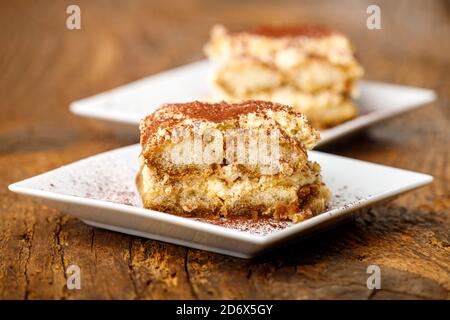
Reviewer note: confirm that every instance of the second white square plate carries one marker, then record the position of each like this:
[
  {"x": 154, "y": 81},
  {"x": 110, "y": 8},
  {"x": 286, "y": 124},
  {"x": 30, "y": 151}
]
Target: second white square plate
[
  {"x": 123, "y": 107},
  {"x": 101, "y": 191}
]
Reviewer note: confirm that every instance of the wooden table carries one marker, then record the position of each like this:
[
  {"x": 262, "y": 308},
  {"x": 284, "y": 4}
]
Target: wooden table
[{"x": 44, "y": 67}]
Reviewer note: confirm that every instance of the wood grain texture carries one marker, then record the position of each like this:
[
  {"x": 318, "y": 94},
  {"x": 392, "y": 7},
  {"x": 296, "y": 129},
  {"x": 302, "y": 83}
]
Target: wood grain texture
[{"x": 44, "y": 67}]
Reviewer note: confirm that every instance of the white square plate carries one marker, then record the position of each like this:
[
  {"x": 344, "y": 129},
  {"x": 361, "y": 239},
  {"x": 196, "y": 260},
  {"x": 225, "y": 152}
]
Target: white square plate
[
  {"x": 123, "y": 107},
  {"x": 101, "y": 191}
]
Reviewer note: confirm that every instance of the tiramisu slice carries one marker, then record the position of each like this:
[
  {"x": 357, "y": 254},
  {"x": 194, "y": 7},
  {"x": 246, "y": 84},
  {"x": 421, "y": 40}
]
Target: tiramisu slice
[
  {"x": 219, "y": 159},
  {"x": 311, "y": 68}
]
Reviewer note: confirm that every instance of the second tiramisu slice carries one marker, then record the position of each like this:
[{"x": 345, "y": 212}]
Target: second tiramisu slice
[{"x": 312, "y": 68}]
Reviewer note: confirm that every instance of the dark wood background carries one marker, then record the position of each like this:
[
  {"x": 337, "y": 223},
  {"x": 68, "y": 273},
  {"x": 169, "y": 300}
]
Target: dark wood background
[{"x": 44, "y": 66}]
